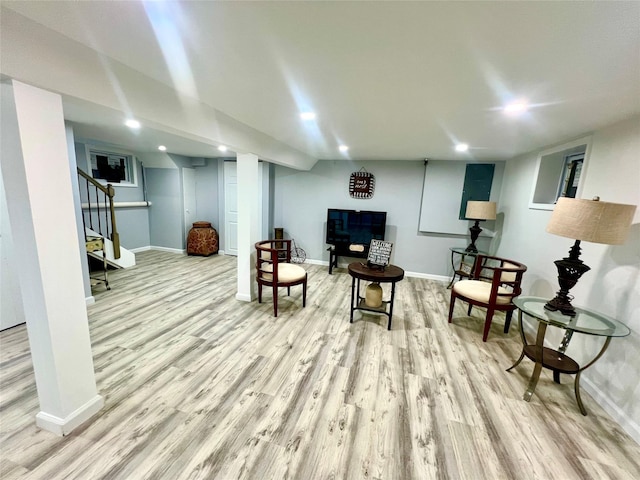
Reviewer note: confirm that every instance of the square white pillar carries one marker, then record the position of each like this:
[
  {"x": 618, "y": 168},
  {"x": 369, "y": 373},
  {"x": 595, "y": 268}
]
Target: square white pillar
[
  {"x": 37, "y": 176},
  {"x": 248, "y": 223}
]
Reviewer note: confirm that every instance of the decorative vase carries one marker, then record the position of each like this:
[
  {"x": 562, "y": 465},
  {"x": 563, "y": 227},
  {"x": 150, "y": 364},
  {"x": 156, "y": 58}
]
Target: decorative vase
[
  {"x": 373, "y": 295},
  {"x": 202, "y": 239}
]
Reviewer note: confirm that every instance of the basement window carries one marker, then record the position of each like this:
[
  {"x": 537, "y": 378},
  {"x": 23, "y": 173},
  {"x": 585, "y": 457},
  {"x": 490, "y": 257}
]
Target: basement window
[
  {"x": 559, "y": 174},
  {"x": 112, "y": 166}
]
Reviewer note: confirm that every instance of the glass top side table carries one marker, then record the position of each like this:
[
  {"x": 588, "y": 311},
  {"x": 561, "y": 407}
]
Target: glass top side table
[
  {"x": 585, "y": 321},
  {"x": 465, "y": 268}
]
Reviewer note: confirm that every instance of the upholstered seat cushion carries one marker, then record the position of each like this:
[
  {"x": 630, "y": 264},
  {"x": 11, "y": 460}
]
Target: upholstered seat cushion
[
  {"x": 480, "y": 291},
  {"x": 508, "y": 276},
  {"x": 287, "y": 273}
]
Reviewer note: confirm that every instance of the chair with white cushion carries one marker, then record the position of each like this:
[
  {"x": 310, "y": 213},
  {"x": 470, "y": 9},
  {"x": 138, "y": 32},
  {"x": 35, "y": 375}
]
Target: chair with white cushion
[
  {"x": 494, "y": 283},
  {"x": 274, "y": 269}
]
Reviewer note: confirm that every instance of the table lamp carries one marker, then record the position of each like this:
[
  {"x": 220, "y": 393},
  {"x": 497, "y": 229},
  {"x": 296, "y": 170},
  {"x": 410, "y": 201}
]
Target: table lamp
[
  {"x": 478, "y": 211},
  {"x": 591, "y": 221}
]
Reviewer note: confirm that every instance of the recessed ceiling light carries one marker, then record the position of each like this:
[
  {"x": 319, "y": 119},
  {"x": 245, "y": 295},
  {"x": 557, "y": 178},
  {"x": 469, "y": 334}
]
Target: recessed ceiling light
[
  {"x": 308, "y": 116},
  {"x": 222, "y": 148},
  {"x": 131, "y": 123},
  {"x": 516, "y": 108},
  {"x": 162, "y": 148},
  {"x": 462, "y": 147},
  {"x": 343, "y": 148}
]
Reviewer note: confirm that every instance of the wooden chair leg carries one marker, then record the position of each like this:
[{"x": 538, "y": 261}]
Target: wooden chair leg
[
  {"x": 469, "y": 310},
  {"x": 275, "y": 300},
  {"x": 451, "y": 305},
  {"x": 288, "y": 291},
  {"x": 487, "y": 324},
  {"x": 507, "y": 321},
  {"x": 259, "y": 292},
  {"x": 304, "y": 293}
]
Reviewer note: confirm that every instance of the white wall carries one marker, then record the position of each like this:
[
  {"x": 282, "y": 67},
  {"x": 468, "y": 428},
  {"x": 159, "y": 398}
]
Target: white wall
[
  {"x": 207, "y": 193},
  {"x": 11, "y": 309},
  {"x": 612, "y": 286},
  {"x": 302, "y": 199}
]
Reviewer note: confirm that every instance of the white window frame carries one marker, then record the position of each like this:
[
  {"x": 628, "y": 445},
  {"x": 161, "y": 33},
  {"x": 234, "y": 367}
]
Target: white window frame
[
  {"x": 551, "y": 170},
  {"x": 130, "y": 159}
]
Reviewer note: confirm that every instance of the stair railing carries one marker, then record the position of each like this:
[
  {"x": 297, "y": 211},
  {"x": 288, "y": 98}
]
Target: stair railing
[{"x": 98, "y": 210}]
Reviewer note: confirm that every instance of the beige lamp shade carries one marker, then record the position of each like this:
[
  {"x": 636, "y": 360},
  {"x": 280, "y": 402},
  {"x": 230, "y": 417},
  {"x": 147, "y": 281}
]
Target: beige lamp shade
[
  {"x": 480, "y": 210},
  {"x": 591, "y": 220}
]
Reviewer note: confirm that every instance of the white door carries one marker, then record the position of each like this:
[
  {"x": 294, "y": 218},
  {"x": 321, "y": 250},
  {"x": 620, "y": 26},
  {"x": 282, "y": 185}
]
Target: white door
[
  {"x": 189, "y": 199},
  {"x": 230, "y": 208}
]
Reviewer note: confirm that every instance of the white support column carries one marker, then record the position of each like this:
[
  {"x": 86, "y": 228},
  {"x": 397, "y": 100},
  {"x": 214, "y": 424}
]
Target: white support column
[
  {"x": 248, "y": 223},
  {"x": 37, "y": 176}
]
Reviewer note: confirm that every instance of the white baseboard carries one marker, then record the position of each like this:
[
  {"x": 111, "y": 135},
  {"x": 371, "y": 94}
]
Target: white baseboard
[
  {"x": 440, "y": 278},
  {"x": 602, "y": 399},
  {"x": 63, "y": 426},
  {"x": 90, "y": 300},
  {"x": 167, "y": 249},
  {"x": 243, "y": 297},
  {"x": 316, "y": 262},
  {"x": 428, "y": 276},
  {"x": 140, "y": 249},
  {"x": 164, "y": 249}
]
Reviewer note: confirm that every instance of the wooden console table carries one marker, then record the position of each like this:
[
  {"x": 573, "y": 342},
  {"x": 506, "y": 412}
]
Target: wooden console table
[{"x": 342, "y": 251}]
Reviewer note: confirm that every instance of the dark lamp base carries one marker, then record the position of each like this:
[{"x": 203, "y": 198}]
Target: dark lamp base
[
  {"x": 475, "y": 232},
  {"x": 563, "y": 305},
  {"x": 570, "y": 269}
]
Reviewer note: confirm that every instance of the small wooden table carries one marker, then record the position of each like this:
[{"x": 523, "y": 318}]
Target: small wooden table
[{"x": 359, "y": 271}]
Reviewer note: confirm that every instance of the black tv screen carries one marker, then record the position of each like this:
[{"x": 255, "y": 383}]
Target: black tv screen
[{"x": 346, "y": 227}]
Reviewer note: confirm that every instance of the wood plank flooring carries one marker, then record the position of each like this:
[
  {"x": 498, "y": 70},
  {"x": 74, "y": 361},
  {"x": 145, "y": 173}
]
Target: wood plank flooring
[{"x": 198, "y": 385}]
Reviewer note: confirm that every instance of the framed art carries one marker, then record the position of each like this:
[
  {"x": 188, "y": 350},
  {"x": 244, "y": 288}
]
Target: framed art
[{"x": 362, "y": 184}]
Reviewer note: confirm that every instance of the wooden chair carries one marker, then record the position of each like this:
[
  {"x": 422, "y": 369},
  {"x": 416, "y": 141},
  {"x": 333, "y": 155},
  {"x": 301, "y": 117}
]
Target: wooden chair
[
  {"x": 494, "y": 283},
  {"x": 273, "y": 269}
]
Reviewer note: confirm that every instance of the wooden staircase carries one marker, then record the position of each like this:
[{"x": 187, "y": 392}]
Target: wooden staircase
[
  {"x": 95, "y": 246},
  {"x": 101, "y": 234}
]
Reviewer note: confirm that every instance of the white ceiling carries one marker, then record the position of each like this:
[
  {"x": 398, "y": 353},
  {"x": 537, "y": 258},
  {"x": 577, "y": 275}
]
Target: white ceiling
[{"x": 393, "y": 80}]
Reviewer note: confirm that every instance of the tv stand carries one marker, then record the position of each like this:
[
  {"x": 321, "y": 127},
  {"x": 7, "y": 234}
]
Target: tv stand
[{"x": 336, "y": 251}]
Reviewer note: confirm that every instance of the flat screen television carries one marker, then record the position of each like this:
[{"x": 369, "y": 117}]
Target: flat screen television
[{"x": 353, "y": 227}]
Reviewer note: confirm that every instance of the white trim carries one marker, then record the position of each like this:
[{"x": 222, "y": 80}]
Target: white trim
[
  {"x": 162, "y": 249},
  {"x": 90, "y": 300},
  {"x": 440, "y": 278},
  {"x": 243, "y": 297},
  {"x": 139, "y": 249},
  {"x": 167, "y": 249},
  {"x": 602, "y": 399},
  {"x": 316, "y": 262},
  {"x": 428, "y": 276},
  {"x": 117, "y": 151},
  {"x": 221, "y": 252},
  {"x": 586, "y": 140},
  {"x": 117, "y": 205},
  {"x": 62, "y": 426}
]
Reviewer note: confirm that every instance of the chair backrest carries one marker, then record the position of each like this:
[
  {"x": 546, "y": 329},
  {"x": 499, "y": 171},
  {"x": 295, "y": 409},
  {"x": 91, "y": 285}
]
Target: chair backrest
[
  {"x": 269, "y": 253},
  {"x": 501, "y": 272}
]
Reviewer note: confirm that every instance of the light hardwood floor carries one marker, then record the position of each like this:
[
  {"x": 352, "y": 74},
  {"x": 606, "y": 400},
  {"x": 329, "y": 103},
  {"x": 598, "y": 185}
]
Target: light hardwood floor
[{"x": 198, "y": 385}]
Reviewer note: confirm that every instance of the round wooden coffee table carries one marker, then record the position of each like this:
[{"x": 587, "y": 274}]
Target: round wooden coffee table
[{"x": 360, "y": 271}]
